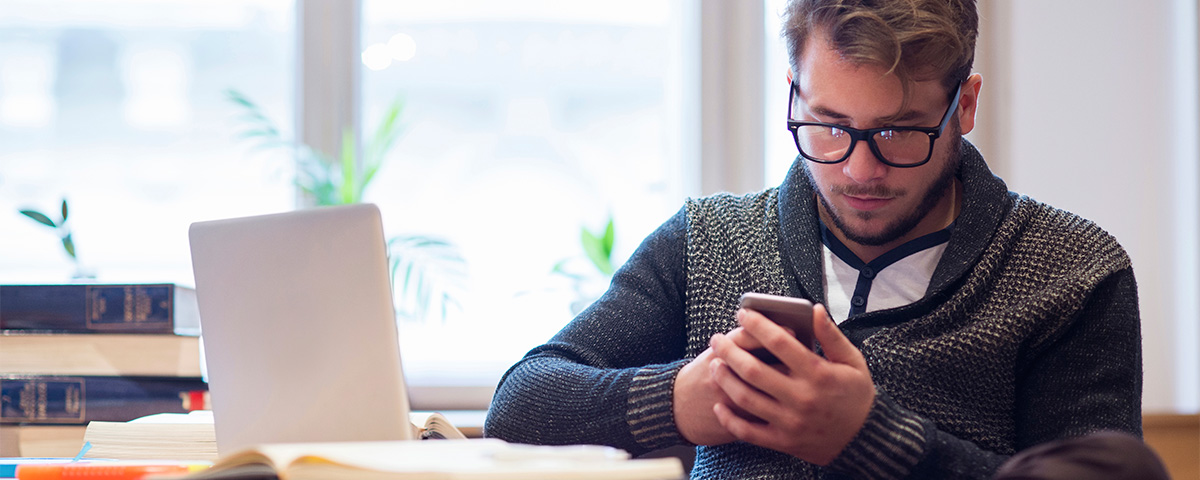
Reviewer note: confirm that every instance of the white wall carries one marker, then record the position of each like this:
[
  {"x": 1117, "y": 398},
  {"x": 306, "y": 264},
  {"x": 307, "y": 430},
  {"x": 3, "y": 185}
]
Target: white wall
[{"x": 1090, "y": 105}]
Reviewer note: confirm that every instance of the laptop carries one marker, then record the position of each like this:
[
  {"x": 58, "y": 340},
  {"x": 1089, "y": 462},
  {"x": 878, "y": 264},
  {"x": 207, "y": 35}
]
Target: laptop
[{"x": 299, "y": 333}]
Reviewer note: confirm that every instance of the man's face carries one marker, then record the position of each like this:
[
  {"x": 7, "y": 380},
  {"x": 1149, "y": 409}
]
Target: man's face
[{"x": 867, "y": 201}]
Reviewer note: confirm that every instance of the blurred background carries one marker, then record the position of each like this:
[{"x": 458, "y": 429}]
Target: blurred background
[{"x": 510, "y": 135}]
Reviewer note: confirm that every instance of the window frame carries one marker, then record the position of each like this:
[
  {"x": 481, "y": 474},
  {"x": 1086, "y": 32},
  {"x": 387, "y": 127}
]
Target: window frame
[{"x": 720, "y": 110}]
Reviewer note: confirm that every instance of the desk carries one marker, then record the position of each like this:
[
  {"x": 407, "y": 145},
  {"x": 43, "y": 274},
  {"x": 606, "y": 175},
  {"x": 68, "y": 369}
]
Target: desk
[{"x": 1175, "y": 438}]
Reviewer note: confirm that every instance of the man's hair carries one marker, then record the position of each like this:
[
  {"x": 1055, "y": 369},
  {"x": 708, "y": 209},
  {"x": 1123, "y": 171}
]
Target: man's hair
[{"x": 914, "y": 39}]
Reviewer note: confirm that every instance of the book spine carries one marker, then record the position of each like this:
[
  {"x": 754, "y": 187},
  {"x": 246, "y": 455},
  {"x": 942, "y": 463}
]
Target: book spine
[
  {"x": 78, "y": 400},
  {"x": 89, "y": 308}
]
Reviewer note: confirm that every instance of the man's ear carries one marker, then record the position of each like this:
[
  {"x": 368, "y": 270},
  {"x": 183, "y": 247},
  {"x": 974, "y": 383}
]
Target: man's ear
[{"x": 968, "y": 102}]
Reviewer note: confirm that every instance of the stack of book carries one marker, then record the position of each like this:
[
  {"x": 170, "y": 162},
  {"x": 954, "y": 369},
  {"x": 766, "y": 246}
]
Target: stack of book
[{"x": 74, "y": 353}]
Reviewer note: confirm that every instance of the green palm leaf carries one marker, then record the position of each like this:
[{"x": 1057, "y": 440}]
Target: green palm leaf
[
  {"x": 39, "y": 217},
  {"x": 427, "y": 272}
]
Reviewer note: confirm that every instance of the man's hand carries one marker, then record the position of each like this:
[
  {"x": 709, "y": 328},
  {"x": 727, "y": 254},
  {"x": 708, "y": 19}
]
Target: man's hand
[
  {"x": 696, "y": 392},
  {"x": 809, "y": 407}
]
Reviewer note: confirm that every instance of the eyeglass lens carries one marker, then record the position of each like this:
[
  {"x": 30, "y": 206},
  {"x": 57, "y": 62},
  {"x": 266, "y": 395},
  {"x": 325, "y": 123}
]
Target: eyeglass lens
[{"x": 830, "y": 144}]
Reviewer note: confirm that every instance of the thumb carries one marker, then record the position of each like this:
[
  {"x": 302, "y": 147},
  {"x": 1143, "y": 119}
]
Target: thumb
[{"x": 837, "y": 347}]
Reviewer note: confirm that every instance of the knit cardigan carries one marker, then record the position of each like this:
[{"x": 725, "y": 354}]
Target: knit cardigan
[{"x": 1029, "y": 331}]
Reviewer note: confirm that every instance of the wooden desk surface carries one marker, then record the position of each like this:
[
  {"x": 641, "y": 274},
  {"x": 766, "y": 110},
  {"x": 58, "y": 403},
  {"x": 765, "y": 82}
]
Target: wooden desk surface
[{"x": 1176, "y": 439}]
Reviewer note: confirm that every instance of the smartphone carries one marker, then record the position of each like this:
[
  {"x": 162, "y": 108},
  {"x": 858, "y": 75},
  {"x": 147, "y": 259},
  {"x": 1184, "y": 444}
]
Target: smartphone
[{"x": 795, "y": 314}]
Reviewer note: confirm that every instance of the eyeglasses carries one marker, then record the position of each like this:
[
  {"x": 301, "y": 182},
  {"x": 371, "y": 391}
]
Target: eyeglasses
[{"x": 902, "y": 147}]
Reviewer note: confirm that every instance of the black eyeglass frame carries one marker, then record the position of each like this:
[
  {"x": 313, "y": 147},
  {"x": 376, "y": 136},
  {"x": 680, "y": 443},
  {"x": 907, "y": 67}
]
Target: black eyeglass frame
[{"x": 857, "y": 135}]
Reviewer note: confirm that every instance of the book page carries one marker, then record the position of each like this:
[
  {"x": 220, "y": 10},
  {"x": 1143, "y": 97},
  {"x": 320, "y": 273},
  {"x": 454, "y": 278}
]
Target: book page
[
  {"x": 435, "y": 426},
  {"x": 141, "y": 440},
  {"x": 195, "y": 416},
  {"x": 450, "y": 459}
]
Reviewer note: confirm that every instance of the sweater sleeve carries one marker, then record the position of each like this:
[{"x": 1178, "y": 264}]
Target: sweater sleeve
[
  {"x": 607, "y": 377},
  {"x": 1088, "y": 379}
]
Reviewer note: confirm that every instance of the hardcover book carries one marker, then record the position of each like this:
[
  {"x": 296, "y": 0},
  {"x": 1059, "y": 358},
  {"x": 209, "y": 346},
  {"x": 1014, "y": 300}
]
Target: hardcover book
[
  {"x": 99, "y": 308},
  {"x": 79, "y": 400},
  {"x": 164, "y": 355}
]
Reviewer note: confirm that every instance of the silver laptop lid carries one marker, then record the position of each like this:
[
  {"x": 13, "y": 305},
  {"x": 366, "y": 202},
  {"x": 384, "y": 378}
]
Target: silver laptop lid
[{"x": 298, "y": 327}]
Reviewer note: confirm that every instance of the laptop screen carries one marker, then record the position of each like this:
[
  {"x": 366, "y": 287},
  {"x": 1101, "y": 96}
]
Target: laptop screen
[{"x": 299, "y": 330}]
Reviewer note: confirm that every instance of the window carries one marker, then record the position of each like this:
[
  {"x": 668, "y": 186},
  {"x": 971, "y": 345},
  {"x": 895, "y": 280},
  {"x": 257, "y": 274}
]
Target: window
[
  {"x": 525, "y": 121},
  {"x": 118, "y": 107},
  {"x": 780, "y": 150}
]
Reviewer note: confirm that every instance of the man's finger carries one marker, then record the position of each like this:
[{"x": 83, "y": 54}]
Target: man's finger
[
  {"x": 746, "y": 400},
  {"x": 741, "y": 338},
  {"x": 837, "y": 347},
  {"x": 744, "y": 429},
  {"x": 745, "y": 365},
  {"x": 778, "y": 340}
]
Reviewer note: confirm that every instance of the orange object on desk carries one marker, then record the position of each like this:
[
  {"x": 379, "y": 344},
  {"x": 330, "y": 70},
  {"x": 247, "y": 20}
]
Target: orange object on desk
[{"x": 102, "y": 471}]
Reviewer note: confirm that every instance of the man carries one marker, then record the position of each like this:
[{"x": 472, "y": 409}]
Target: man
[{"x": 958, "y": 323}]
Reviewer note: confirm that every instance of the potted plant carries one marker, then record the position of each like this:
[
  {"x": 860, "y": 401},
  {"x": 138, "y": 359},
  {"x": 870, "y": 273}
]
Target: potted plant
[
  {"x": 426, "y": 270},
  {"x": 591, "y": 281},
  {"x": 63, "y": 230}
]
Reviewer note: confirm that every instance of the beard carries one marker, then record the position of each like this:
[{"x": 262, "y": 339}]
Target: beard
[{"x": 907, "y": 221}]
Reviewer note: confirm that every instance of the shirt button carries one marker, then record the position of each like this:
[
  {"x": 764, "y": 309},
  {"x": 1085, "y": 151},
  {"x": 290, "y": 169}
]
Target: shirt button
[
  {"x": 867, "y": 272},
  {"x": 858, "y": 301}
]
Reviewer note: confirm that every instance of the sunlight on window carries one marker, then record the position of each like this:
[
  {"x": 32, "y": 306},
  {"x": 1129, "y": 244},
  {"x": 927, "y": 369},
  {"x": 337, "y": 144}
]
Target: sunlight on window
[
  {"x": 525, "y": 123},
  {"x": 117, "y": 107},
  {"x": 780, "y": 149},
  {"x": 26, "y": 99},
  {"x": 402, "y": 47},
  {"x": 157, "y": 77},
  {"x": 377, "y": 57}
]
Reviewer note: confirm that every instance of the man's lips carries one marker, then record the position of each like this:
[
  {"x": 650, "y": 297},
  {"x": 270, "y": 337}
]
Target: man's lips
[{"x": 867, "y": 203}]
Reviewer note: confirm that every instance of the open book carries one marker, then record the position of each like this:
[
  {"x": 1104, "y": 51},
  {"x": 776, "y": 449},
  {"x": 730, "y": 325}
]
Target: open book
[
  {"x": 177, "y": 436},
  {"x": 434, "y": 426},
  {"x": 473, "y": 459}
]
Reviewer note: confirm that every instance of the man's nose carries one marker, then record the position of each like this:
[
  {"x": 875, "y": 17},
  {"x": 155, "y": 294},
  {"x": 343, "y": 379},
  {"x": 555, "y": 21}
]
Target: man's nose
[{"x": 863, "y": 166}]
